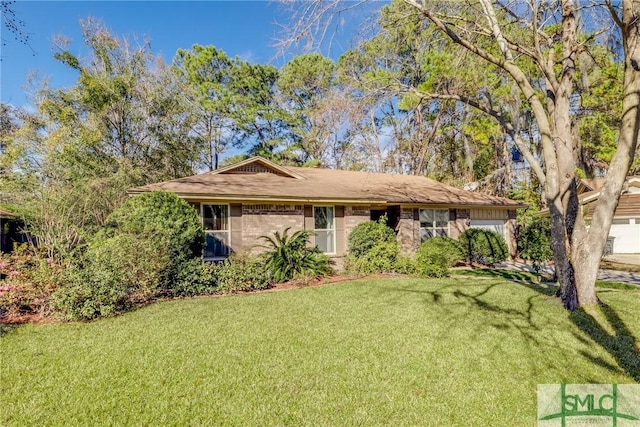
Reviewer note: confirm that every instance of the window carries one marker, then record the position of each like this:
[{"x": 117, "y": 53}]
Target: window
[
  {"x": 215, "y": 219},
  {"x": 324, "y": 228},
  {"x": 434, "y": 223}
]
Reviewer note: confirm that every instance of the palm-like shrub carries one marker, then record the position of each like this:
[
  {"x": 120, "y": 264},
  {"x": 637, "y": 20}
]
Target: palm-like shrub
[{"x": 289, "y": 256}]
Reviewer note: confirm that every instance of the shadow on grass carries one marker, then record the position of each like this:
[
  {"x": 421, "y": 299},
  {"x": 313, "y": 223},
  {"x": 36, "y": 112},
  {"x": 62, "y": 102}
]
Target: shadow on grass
[
  {"x": 6, "y": 328},
  {"x": 513, "y": 318},
  {"x": 601, "y": 324},
  {"x": 610, "y": 333},
  {"x": 617, "y": 339}
]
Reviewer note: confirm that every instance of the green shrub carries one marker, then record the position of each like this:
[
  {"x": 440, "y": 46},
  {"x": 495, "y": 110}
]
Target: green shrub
[
  {"x": 484, "y": 247},
  {"x": 364, "y": 237},
  {"x": 149, "y": 243},
  {"x": 436, "y": 255},
  {"x": 381, "y": 258},
  {"x": 242, "y": 272},
  {"x": 289, "y": 256},
  {"x": 164, "y": 218},
  {"x": 142, "y": 266},
  {"x": 116, "y": 274},
  {"x": 90, "y": 294},
  {"x": 405, "y": 265},
  {"x": 196, "y": 277},
  {"x": 534, "y": 243}
]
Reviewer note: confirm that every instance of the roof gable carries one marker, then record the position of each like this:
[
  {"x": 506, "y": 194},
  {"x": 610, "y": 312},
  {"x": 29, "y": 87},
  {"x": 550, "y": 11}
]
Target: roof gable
[{"x": 255, "y": 165}]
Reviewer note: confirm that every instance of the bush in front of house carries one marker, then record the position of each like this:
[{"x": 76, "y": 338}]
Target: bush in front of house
[
  {"x": 116, "y": 273},
  {"x": 289, "y": 256},
  {"x": 164, "y": 218},
  {"x": 405, "y": 265},
  {"x": 534, "y": 243},
  {"x": 484, "y": 247},
  {"x": 381, "y": 258},
  {"x": 90, "y": 294},
  {"x": 196, "y": 277},
  {"x": 435, "y": 256},
  {"x": 373, "y": 248},
  {"x": 150, "y": 239},
  {"x": 367, "y": 235},
  {"x": 242, "y": 272}
]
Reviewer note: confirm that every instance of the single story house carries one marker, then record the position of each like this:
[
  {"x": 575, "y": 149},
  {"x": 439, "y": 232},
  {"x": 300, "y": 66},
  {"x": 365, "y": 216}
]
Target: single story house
[
  {"x": 256, "y": 197},
  {"x": 625, "y": 228}
]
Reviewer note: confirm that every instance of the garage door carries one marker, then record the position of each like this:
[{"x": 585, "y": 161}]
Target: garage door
[
  {"x": 496, "y": 225},
  {"x": 626, "y": 235}
]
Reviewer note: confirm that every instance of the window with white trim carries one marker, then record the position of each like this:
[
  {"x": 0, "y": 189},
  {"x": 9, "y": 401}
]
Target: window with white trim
[
  {"x": 324, "y": 227},
  {"x": 215, "y": 220},
  {"x": 434, "y": 223}
]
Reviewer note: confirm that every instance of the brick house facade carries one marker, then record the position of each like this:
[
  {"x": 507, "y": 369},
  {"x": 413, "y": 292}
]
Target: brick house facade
[{"x": 255, "y": 198}]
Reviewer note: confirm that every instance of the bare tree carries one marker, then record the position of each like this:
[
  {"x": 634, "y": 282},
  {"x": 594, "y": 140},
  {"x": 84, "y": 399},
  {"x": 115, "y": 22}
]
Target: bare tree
[{"x": 14, "y": 24}]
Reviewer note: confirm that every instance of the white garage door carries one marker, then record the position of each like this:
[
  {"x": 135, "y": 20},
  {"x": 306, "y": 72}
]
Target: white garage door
[
  {"x": 496, "y": 225},
  {"x": 627, "y": 236}
]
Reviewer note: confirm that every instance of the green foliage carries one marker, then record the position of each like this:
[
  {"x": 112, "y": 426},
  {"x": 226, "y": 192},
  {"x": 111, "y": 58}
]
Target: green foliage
[
  {"x": 534, "y": 243},
  {"x": 484, "y": 247},
  {"x": 381, "y": 258},
  {"x": 196, "y": 277},
  {"x": 117, "y": 273},
  {"x": 289, "y": 256},
  {"x": 365, "y": 236},
  {"x": 90, "y": 294},
  {"x": 306, "y": 79},
  {"x": 436, "y": 255},
  {"x": 242, "y": 272},
  {"x": 163, "y": 217},
  {"x": 148, "y": 249},
  {"x": 405, "y": 265}
]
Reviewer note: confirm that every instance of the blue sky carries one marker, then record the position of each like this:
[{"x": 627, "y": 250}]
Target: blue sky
[{"x": 244, "y": 28}]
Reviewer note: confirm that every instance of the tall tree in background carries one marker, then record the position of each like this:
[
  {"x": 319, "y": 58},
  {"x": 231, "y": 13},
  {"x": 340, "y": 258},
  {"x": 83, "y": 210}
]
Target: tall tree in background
[
  {"x": 261, "y": 122},
  {"x": 126, "y": 111},
  {"x": 208, "y": 73},
  {"x": 536, "y": 46},
  {"x": 305, "y": 82},
  {"x": 401, "y": 68},
  {"x": 124, "y": 123}
]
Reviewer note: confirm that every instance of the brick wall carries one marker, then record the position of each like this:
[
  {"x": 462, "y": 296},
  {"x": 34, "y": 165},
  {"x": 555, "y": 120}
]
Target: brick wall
[
  {"x": 353, "y": 216},
  {"x": 264, "y": 220},
  {"x": 460, "y": 224},
  {"x": 408, "y": 230}
]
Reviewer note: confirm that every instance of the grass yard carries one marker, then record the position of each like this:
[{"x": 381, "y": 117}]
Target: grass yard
[{"x": 463, "y": 351}]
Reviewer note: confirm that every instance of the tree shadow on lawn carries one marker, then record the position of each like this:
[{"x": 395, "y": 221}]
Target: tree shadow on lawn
[
  {"x": 612, "y": 334},
  {"x": 6, "y": 328},
  {"x": 601, "y": 324},
  {"x": 609, "y": 332},
  {"x": 519, "y": 320}
]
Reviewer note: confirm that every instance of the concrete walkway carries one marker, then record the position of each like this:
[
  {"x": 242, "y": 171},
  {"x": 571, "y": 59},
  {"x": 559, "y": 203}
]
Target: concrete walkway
[
  {"x": 608, "y": 275},
  {"x": 632, "y": 259}
]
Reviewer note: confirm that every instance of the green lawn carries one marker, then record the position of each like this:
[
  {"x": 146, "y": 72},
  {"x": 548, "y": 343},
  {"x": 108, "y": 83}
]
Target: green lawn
[{"x": 462, "y": 351}]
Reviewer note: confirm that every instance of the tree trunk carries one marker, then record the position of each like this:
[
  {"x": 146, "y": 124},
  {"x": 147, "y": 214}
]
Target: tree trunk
[
  {"x": 577, "y": 251},
  {"x": 590, "y": 244}
]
